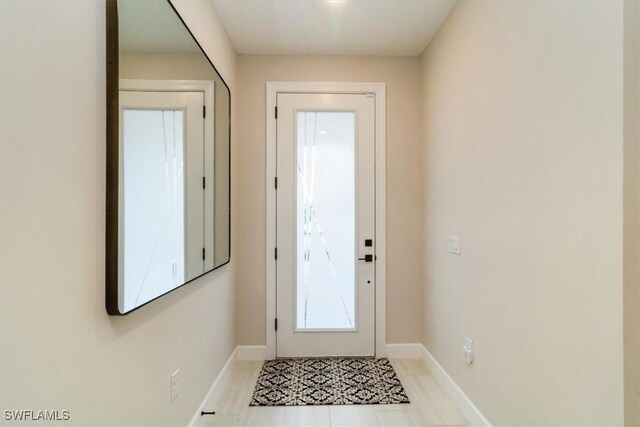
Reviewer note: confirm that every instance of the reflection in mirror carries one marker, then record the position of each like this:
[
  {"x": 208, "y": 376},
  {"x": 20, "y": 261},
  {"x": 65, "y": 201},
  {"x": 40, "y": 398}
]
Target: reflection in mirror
[{"x": 173, "y": 158}]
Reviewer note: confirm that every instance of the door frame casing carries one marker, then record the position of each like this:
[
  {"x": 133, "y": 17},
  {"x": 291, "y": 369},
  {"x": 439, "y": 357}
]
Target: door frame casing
[
  {"x": 364, "y": 88},
  {"x": 208, "y": 88}
]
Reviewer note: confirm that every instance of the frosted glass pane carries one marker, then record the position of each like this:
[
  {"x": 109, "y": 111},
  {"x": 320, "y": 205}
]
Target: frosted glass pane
[
  {"x": 153, "y": 188},
  {"x": 325, "y": 233}
]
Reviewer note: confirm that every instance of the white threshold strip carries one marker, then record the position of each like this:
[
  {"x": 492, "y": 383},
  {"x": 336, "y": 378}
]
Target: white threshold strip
[{"x": 394, "y": 351}]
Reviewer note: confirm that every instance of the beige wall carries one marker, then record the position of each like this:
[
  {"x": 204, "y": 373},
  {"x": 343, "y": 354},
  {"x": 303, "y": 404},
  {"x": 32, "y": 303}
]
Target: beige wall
[
  {"x": 404, "y": 207},
  {"x": 161, "y": 66},
  {"x": 523, "y": 156},
  {"x": 60, "y": 350},
  {"x": 632, "y": 212}
]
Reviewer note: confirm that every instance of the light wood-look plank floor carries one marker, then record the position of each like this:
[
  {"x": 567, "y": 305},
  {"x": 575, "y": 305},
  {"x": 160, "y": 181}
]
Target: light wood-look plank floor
[{"x": 429, "y": 405}]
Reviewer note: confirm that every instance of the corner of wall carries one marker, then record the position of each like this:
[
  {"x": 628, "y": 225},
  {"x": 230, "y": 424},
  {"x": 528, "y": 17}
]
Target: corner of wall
[{"x": 631, "y": 226}]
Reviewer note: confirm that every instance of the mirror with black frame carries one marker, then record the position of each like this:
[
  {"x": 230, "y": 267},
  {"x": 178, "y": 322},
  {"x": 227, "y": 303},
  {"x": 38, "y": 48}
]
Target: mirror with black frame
[{"x": 168, "y": 152}]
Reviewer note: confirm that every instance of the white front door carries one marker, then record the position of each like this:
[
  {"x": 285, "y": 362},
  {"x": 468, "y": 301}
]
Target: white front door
[
  {"x": 162, "y": 165},
  {"x": 325, "y": 209}
]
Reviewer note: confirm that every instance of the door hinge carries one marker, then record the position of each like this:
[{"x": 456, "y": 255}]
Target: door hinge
[
  {"x": 276, "y": 324},
  {"x": 276, "y": 183},
  {"x": 276, "y": 112},
  {"x": 203, "y": 253},
  {"x": 204, "y": 182},
  {"x": 276, "y": 253},
  {"x": 204, "y": 111}
]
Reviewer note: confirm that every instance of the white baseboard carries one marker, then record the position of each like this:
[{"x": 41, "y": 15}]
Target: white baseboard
[
  {"x": 252, "y": 352},
  {"x": 404, "y": 351},
  {"x": 216, "y": 388},
  {"x": 466, "y": 406},
  {"x": 394, "y": 351}
]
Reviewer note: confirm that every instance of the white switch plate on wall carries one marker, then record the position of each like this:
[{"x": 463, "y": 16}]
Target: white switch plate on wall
[
  {"x": 175, "y": 382},
  {"x": 467, "y": 351},
  {"x": 454, "y": 244}
]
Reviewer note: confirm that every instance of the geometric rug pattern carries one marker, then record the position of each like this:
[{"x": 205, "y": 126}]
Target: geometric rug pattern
[{"x": 328, "y": 381}]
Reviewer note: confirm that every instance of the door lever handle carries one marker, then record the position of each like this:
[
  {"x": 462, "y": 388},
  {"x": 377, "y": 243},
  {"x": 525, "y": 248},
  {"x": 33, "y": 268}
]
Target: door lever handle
[{"x": 367, "y": 258}]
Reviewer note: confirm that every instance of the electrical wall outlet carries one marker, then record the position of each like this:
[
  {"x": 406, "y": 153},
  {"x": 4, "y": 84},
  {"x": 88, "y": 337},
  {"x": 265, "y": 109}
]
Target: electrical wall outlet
[
  {"x": 175, "y": 382},
  {"x": 467, "y": 351},
  {"x": 454, "y": 244}
]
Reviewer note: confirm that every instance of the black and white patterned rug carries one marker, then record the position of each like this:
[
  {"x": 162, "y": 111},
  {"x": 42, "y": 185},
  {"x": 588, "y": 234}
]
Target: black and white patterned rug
[{"x": 328, "y": 381}]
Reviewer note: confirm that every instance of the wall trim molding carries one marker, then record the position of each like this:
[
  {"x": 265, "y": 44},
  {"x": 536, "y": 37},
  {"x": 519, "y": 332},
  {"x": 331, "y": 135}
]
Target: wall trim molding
[
  {"x": 469, "y": 410},
  {"x": 405, "y": 351},
  {"x": 393, "y": 351},
  {"x": 215, "y": 390},
  {"x": 418, "y": 351},
  {"x": 251, "y": 352},
  {"x": 379, "y": 91}
]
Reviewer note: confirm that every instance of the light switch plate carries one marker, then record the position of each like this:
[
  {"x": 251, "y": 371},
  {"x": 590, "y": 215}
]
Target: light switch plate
[
  {"x": 467, "y": 355},
  {"x": 467, "y": 351},
  {"x": 175, "y": 382},
  {"x": 454, "y": 244}
]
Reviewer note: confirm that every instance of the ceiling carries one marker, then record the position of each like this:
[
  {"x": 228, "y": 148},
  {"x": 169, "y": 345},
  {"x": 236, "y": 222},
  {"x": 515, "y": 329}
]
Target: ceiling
[
  {"x": 332, "y": 27},
  {"x": 152, "y": 27}
]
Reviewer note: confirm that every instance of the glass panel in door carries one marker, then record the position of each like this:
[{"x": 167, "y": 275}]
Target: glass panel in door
[
  {"x": 325, "y": 221},
  {"x": 154, "y": 223}
]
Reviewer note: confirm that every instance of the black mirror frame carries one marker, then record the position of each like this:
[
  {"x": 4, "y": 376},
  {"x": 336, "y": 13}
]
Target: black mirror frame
[{"x": 112, "y": 158}]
